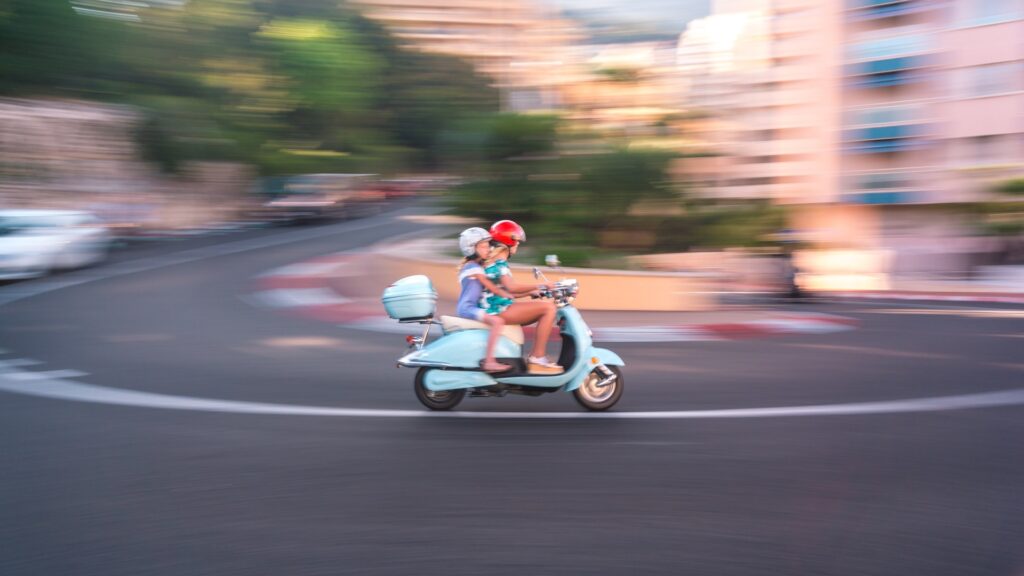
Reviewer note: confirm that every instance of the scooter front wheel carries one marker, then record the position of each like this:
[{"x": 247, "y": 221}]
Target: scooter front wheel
[
  {"x": 597, "y": 398},
  {"x": 435, "y": 399}
]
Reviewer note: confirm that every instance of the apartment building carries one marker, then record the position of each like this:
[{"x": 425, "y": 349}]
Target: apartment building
[
  {"x": 768, "y": 70},
  {"x": 520, "y": 44},
  {"x": 873, "y": 113},
  {"x": 624, "y": 88},
  {"x": 933, "y": 116}
]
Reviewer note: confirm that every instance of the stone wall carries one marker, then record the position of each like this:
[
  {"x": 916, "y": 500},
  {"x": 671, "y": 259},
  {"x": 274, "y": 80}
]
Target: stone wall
[{"x": 82, "y": 155}]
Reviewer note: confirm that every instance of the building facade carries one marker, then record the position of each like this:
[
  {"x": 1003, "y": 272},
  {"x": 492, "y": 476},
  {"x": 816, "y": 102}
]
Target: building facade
[
  {"x": 873, "y": 114},
  {"x": 521, "y": 45}
]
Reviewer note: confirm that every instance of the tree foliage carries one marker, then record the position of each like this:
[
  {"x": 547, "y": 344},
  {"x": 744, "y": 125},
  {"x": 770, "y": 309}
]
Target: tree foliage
[{"x": 264, "y": 81}]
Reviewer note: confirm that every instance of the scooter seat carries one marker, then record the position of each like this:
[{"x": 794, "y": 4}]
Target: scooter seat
[{"x": 513, "y": 332}]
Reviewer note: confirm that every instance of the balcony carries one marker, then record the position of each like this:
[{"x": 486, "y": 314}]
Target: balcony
[
  {"x": 897, "y": 71},
  {"x": 769, "y": 98},
  {"x": 774, "y": 169},
  {"x": 887, "y": 65},
  {"x": 883, "y": 139},
  {"x": 878, "y": 9},
  {"x": 890, "y": 60},
  {"x": 875, "y": 198},
  {"x": 775, "y": 147}
]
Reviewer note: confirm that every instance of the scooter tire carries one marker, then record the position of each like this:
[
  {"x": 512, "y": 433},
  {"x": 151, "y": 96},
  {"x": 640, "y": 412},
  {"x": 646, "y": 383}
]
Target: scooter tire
[
  {"x": 440, "y": 401},
  {"x": 598, "y": 399}
]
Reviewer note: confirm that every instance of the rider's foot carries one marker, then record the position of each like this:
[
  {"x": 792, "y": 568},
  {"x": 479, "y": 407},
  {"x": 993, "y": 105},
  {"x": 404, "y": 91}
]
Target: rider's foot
[
  {"x": 494, "y": 366},
  {"x": 541, "y": 365}
]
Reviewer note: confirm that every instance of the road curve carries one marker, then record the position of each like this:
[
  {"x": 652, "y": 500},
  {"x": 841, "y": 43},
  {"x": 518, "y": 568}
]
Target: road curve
[{"x": 93, "y": 488}]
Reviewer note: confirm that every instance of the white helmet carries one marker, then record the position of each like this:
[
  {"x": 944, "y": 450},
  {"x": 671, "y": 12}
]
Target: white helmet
[{"x": 470, "y": 237}]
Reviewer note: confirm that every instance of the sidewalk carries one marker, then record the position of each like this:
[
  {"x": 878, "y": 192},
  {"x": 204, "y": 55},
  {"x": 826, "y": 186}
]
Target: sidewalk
[
  {"x": 944, "y": 291},
  {"x": 345, "y": 289}
]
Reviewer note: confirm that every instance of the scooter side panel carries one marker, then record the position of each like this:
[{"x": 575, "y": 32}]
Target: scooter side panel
[
  {"x": 573, "y": 327},
  {"x": 463, "y": 349},
  {"x": 576, "y": 327},
  {"x": 579, "y": 366},
  {"x": 439, "y": 380},
  {"x": 604, "y": 356}
]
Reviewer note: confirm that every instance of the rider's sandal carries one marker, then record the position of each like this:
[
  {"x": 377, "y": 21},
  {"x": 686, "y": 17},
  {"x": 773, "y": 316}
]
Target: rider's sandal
[
  {"x": 542, "y": 365},
  {"x": 495, "y": 368}
]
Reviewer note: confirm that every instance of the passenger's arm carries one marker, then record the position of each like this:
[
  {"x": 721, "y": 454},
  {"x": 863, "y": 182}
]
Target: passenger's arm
[
  {"x": 520, "y": 289},
  {"x": 492, "y": 287}
]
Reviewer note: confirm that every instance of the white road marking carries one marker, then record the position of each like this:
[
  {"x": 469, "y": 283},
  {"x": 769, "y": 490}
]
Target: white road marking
[
  {"x": 1009, "y": 298},
  {"x": 45, "y": 375},
  {"x": 18, "y": 362},
  {"x": 966, "y": 312},
  {"x": 50, "y": 387}
]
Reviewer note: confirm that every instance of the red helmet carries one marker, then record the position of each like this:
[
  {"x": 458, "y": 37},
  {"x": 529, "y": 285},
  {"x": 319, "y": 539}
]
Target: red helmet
[{"x": 507, "y": 232}]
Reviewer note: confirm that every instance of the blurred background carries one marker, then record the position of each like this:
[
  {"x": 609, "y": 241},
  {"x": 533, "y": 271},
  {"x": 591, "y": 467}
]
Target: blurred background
[
  {"x": 799, "y": 222},
  {"x": 874, "y": 142}
]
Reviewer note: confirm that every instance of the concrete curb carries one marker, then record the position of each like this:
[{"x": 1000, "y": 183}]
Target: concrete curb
[
  {"x": 1007, "y": 298},
  {"x": 309, "y": 289}
]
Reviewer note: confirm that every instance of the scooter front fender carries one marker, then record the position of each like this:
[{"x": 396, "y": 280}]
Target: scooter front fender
[{"x": 604, "y": 356}]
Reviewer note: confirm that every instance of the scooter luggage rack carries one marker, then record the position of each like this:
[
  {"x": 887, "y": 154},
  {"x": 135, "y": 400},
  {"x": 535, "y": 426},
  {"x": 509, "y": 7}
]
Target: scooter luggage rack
[{"x": 419, "y": 341}]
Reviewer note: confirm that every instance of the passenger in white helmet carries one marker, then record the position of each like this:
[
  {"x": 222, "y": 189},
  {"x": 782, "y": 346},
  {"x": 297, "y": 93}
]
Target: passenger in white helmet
[{"x": 475, "y": 244}]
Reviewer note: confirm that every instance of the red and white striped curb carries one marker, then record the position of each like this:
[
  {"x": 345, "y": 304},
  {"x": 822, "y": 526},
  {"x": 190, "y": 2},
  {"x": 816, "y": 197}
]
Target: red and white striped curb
[
  {"x": 932, "y": 296},
  {"x": 306, "y": 289}
]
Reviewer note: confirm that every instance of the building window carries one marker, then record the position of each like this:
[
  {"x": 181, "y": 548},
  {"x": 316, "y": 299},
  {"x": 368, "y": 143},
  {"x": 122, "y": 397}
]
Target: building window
[
  {"x": 991, "y": 79},
  {"x": 884, "y": 181},
  {"x": 981, "y": 12},
  {"x": 890, "y": 47},
  {"x": 904, "y": 114}
]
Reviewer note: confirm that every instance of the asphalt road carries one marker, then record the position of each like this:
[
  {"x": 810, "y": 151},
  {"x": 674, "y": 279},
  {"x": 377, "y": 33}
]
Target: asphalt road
[{"x": 97, "y": 488}]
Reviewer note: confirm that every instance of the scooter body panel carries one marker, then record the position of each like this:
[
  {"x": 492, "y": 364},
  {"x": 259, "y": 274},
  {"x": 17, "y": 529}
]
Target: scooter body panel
[
  {"x": 440, "y": 380},
  {"x": 573, "y": 327},
  {"x": 463, "y": 349}
]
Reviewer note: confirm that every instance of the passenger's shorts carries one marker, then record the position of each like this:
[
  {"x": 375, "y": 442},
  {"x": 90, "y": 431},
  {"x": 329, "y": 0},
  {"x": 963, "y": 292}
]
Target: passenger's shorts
[{"x": 472, "y": 313}]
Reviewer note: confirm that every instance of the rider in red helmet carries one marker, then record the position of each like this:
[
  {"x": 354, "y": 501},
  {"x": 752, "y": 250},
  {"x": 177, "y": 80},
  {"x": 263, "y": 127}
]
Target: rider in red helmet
[{"x": 508, "y": 233}]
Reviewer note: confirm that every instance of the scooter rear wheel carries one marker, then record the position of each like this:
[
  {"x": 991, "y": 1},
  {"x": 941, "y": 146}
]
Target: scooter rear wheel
[
  {"x": 435, "y": 400},
  {"x": 595, "y": 398}
]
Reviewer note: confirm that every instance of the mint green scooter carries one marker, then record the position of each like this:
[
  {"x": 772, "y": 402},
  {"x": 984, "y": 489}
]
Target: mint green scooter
[{"x": 448, "y": 368}]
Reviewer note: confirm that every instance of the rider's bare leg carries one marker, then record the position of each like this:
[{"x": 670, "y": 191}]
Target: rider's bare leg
[
  {"x": 541, "y": 312},
  {"x": 497, "y": 324}
]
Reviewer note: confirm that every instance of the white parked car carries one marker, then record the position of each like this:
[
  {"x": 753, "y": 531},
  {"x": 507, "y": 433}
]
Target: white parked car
[{"x": 36, "y": 242}]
